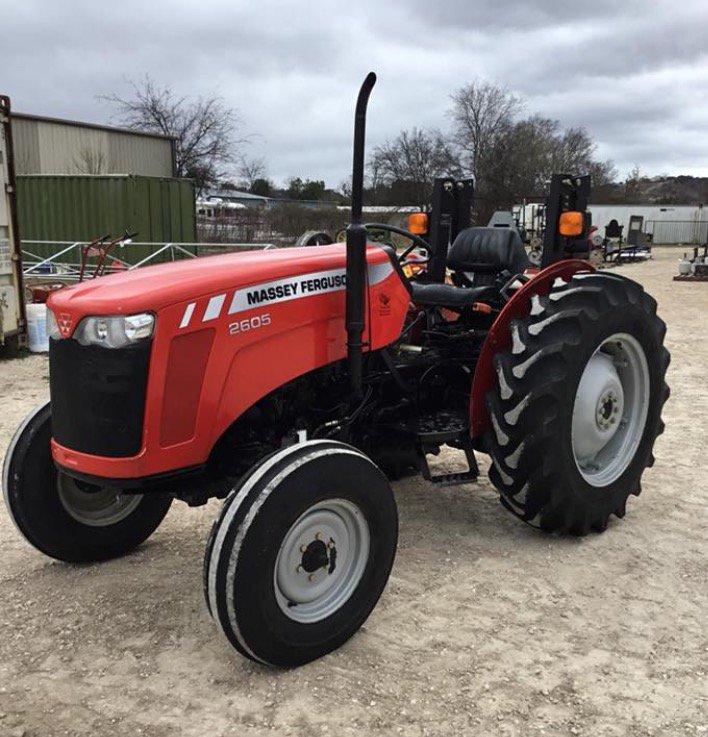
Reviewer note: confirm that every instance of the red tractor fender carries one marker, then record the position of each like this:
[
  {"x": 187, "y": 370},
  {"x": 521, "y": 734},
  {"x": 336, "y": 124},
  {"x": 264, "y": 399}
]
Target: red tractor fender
[{"x": 499, "y": 336}]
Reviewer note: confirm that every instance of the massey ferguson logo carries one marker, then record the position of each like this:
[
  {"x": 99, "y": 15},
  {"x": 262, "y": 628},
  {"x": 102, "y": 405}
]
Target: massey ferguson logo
[
  {"x": 64, "y": 321},
  {"x": 384, "y": 304},
  {"x": 280, "y": 290}
]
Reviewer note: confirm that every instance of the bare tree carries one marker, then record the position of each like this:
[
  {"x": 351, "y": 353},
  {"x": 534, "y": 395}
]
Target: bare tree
[
  {"x": 250, "y": 170},
  {"x": 575, "y": 151},
  {"x": 512, "y": 157},
  {"x": 205, "y": 129},
  {"x": 91, "y": 161},
  {"x": 526, "y": 154},
  {"x": 414, "y": 158},
  {"x": 631, "y": 184},
  {"x": 345, "y": 188},
  {"x": 480, "y": 113}
]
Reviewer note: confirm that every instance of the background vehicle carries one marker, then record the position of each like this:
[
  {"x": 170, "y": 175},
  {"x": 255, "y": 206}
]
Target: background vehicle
[{"x": 296, "y": 382}]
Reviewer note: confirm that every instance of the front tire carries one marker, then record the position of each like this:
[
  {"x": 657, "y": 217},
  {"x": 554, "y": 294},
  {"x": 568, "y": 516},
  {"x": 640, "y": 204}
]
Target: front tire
[
  {"x": 301, "y": 553},
  {"x": 577, "y": 404},
  {"x": 64, "y": 518}
]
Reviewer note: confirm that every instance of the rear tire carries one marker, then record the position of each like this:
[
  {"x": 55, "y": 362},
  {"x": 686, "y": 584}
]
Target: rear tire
[
  {"x": 567, "y": 454},
  {"x": 63, "y": 518},
  {"x": 301, "y": 553}
]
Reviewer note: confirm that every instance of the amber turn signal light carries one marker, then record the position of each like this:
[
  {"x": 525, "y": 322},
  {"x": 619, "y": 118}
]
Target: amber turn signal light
[
  {"x": 418, "y": 223},
  {"x": 570, "y": 223}
]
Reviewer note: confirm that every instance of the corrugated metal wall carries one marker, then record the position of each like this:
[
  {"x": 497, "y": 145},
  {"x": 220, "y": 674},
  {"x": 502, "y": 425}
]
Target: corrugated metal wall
[
  {"x": 12, "y": 306},
  {"x": 73, "y": 208},
  {"x": 602, "y": 214},
  {"x": 56, "y": 147},
  {"x": 666, "y": 223}
]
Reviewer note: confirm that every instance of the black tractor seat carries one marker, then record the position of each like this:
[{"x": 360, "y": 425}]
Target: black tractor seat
[
  {"x": 479, "y": 255},
  {"x": 450, "y": 296},
  {"x": 441, "y": 295}
]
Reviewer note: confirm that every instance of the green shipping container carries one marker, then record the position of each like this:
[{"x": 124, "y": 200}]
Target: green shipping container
[{"x": 75, "y": 208}]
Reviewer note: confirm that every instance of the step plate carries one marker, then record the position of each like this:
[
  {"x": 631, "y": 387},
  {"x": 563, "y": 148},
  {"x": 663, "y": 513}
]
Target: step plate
[
  {"x": 439, "y": 428},
  {"x": 454, "y": 478}
]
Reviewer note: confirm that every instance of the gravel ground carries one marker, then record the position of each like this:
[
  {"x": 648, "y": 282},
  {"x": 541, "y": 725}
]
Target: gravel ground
[{"x": 486, "y": 628}]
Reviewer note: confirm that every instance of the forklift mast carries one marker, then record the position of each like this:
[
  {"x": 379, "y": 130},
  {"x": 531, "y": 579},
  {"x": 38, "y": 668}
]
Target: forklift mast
[
  {"x": 451, "y": 212},
  {"x": 567, "y": 192}
]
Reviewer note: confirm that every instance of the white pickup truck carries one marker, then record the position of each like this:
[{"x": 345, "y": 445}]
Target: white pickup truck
[{"x": 12, "y": 308}]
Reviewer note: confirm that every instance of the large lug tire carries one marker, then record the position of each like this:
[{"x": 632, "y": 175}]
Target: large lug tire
[
  {"x": 301, "y": 553},
  {"x": 577, "y": 403},
  {"x": 66, "y": 519}
]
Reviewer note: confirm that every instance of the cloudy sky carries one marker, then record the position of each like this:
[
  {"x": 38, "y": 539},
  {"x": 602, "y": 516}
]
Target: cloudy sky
[{"x": 635, "y": 73}]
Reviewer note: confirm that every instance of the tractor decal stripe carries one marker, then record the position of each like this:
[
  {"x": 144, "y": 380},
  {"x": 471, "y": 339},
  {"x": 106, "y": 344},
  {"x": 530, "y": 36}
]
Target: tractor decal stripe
[
  {"x": 297, "y": 287},
  {"x": 213, "y": 309},
  {"x": 188, "y": 312},
  {"x": 282, "y": 290},
  {"x": 379, "y": 272}
]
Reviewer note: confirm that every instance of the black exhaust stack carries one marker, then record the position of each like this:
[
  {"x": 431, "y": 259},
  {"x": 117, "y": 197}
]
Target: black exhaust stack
[{"x": 356, "y": 245}]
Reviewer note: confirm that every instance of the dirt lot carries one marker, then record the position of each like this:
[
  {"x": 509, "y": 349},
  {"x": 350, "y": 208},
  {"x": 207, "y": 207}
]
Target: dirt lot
[{"x": 487, "y": 627}]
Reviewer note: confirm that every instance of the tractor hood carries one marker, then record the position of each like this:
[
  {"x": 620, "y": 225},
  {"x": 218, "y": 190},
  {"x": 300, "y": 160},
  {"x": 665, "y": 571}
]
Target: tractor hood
[{"x": 153, "y": 288}]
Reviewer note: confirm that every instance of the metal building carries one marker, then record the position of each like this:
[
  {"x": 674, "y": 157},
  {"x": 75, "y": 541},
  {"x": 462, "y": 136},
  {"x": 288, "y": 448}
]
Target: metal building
[
  {"x": 54, "y": 146},
  {"x": 666, "y": 224},
  {"x": 12, "y": 303}
]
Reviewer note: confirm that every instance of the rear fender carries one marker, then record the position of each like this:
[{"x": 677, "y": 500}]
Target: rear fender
[{"x": 499, "y": 336}]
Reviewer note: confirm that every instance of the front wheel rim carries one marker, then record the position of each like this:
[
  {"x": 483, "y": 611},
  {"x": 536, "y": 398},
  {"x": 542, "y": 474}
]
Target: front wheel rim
[
  {"x": 321, "y": 560},
  {"x": 610, "y": 409},
  {"x": 95, "y": 506}
]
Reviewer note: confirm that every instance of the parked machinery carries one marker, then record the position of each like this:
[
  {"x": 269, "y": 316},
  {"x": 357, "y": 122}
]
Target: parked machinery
[
  {"x": 636, "y": 248},
  {"x": 695, "y": 269},
  {"x": 296, "y": 382}
]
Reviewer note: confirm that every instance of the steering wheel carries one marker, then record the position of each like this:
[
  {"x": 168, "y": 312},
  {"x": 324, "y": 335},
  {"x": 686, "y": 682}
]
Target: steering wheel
[{"x": 417, "y": 240}]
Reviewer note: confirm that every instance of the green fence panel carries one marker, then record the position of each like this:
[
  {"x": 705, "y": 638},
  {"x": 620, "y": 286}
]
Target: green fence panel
[{"x": 75, "y": 208}]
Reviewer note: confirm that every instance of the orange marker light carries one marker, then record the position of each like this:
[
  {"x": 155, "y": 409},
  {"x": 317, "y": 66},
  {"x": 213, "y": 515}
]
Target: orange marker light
[
  {"x": 570, "y": 223},
  {"x": 418, "y": 223}
]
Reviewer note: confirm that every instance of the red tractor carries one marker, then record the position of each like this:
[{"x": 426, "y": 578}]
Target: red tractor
[{"x": 296, "y": 382}]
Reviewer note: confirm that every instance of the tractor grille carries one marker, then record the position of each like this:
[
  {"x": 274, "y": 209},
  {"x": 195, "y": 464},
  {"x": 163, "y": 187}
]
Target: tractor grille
[{"x": 98, "y": 396}]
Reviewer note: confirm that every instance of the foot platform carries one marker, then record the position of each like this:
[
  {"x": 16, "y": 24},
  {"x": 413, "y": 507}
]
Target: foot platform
[{"x": 453, "y": 478}]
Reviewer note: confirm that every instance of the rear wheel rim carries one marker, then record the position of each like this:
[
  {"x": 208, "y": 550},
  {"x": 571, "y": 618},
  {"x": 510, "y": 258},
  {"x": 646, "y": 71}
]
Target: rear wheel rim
[
  {"x": 610, "y": 409},
  {"x": 95, "y": 506},
  {"x": 321, "y": 560}
]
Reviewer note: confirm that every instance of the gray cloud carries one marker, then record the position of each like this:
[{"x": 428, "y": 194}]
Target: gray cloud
[{"x": 634, "y": 73}]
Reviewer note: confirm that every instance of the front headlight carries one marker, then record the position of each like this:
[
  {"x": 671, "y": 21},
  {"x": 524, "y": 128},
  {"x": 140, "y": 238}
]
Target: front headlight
[
  {"x": 52, "y": 326},
  {"x": 115, "y": 331}
]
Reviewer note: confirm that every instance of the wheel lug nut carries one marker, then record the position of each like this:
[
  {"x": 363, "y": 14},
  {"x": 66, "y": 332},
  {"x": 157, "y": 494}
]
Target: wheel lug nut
[
  {"x": 299, "y": 569},
  {"x": 303, "y": 548},
  {"x": 318, "y": 536},
  {"x": 311, "y": 577}
]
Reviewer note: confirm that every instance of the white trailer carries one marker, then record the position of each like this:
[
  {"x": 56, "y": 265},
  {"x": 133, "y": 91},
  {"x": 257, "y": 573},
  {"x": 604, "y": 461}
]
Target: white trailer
[{"x": 12, "y": 304}]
